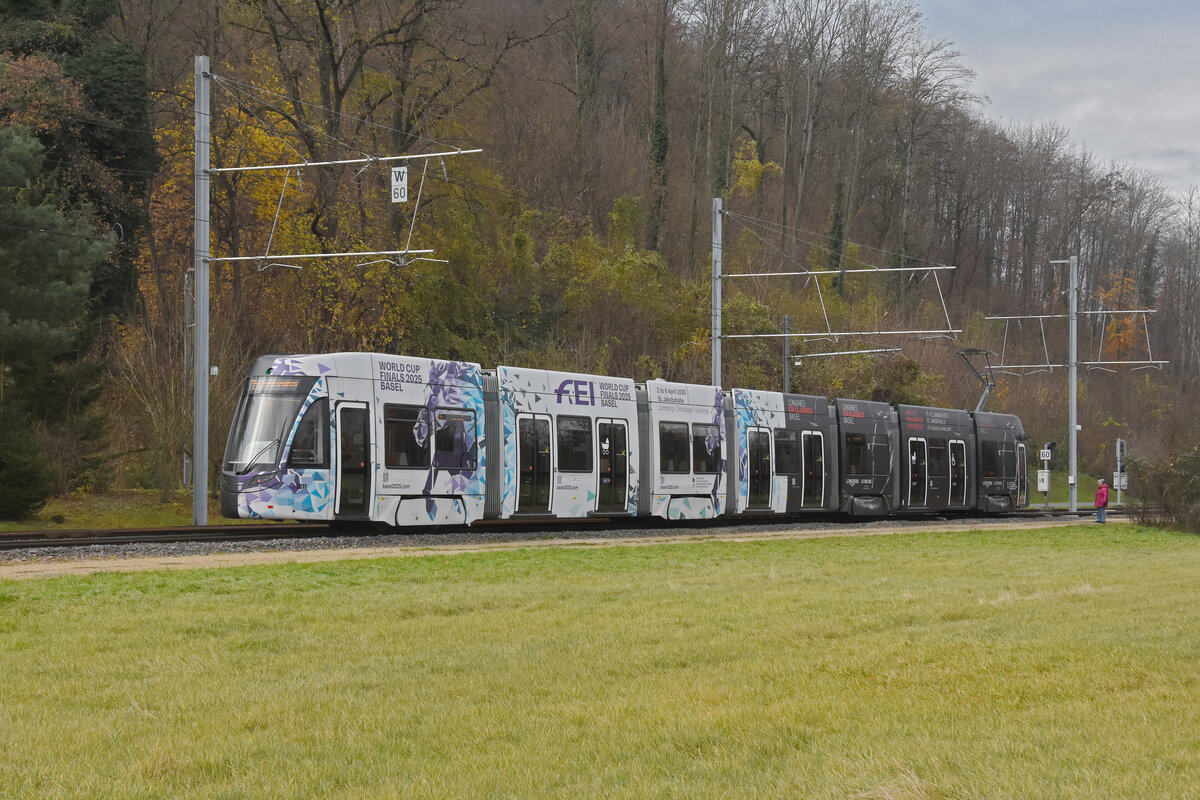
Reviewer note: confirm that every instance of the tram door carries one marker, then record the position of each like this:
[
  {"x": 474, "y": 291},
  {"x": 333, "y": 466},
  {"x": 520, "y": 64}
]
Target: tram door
[
  {"x": 759, "y": 441},
  {"x": 918, "y": 463},
  {"x": 354, "y": 460},
  {"x": 614, "y": 466},
  {"x": 958, "y": 473},
  {"x": 533, "y": 464},
  {"x": 1022, "y": 477},
  {"x": 812, "y": 450}
]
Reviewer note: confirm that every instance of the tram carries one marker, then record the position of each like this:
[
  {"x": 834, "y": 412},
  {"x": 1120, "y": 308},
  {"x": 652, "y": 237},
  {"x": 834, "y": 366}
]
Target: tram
[{"x": 404, "y": 441}]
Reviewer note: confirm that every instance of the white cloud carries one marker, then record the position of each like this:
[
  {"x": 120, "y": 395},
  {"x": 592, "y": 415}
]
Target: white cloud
[{"x": 1119, "y": 76}]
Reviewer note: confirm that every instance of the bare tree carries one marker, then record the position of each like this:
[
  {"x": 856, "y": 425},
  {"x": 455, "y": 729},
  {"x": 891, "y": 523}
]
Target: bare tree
[
  {"x": 811, "y": 36},
  {"x": 660, "y": 13},
  {"x": 933, "y": 82}
]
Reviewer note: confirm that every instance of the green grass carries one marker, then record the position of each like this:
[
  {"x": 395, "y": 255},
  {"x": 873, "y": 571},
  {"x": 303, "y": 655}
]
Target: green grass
[
  {"x": 1060, "y": 489},
  {"x": 1060, "y": 663},
  {"x": 134, "y": 508}
]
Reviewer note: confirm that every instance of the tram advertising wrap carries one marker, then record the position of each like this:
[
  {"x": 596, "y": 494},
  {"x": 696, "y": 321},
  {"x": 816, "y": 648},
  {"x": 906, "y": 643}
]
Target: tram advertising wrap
[{"x": 403, "y": 441}]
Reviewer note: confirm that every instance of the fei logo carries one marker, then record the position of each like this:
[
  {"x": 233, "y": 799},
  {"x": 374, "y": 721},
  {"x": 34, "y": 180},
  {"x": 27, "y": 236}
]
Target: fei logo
[{"x": 576, "y": 393}]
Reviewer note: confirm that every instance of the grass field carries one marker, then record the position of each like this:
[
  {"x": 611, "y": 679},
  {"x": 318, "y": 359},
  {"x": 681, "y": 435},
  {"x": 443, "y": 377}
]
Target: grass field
[
  {"x": 1062, "y": 663},
  {"x": 131, "y": 508},
  {"x": 1060, "y": 489}
]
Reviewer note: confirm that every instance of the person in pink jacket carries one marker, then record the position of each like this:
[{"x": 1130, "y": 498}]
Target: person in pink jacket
[{"x": 1101, "y": 500}]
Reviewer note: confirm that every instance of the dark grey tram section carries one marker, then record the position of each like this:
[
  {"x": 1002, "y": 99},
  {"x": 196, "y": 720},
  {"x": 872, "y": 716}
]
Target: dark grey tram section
[
  {"x": 868, "y": 437},
  {"x": 935, "y": 446},
  {"x": 1003, "y": 481},
  {"x": 810, "y": 435}
]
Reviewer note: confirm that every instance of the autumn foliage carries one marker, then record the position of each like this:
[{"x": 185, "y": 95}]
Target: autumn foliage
[{"x": 842, "y": 135}]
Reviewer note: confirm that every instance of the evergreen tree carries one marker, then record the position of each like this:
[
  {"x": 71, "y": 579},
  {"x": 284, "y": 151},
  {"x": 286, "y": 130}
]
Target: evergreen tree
[
  {"x": 86, "y": 99},
  {"x": 46, "y": 263},
  {"x": 24, "y": 473}
]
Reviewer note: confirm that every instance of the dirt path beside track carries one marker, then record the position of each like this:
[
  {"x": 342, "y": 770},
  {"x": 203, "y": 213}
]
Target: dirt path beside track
[{"x": 83, "y": 567}]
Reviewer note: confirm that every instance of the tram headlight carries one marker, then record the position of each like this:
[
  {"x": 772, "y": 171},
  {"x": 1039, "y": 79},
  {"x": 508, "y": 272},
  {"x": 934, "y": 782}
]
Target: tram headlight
[{"x": 259, "y": 480}]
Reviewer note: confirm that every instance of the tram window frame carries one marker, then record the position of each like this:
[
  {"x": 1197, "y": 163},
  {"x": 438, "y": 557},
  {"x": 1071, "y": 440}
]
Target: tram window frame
[
  {"x": 787, "y": 456},
  {"x": 417, "y": 455},
  {"x": 466, "y": 418},
  {"x": 704, "y": 462},
  {"x": 858, "y": 455},
  {"x": 574, "y": 444},
  {"x": 315, "y": 424},
  {"x": 673, "y": 448},
  {"x": 989, "y": 458},
  {"x": 880, "y": 452},
  {"x": 938, "y": 459},
  {"x": 1008, "y": 459}
]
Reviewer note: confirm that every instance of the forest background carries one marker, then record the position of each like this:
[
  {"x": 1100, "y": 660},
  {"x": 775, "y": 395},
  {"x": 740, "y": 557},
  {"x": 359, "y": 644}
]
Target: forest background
[{"x": 842, "y": 135}]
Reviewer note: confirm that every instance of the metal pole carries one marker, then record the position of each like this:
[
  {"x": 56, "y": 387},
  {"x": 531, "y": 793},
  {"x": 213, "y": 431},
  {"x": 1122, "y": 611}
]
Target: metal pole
[
  {"x": 1073, "y": 478},
  {"x": 787, "y": 353},
  {"x": 716, "y": 293},
  {"x": 200, "y": 290}
]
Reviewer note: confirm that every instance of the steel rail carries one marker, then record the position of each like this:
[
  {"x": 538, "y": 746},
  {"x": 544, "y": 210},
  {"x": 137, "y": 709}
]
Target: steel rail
[{"x": 13, "y": 540}]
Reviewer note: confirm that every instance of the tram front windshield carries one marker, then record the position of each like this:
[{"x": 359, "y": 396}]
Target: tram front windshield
[{"x": 264, "y": 419}]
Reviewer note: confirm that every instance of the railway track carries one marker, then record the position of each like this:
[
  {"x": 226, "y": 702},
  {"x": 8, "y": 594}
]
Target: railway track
[
  {"x": 16, "y": 540},
  {"x": 35, "y": 539}
]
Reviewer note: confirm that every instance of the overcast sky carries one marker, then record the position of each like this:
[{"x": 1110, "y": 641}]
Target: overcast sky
[{"x": 1123, "y": 76}]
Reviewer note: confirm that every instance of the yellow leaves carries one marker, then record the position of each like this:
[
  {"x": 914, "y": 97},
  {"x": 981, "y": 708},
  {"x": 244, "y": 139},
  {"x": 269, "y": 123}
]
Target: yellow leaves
[
  {"x": 749, "y": 171},
  {"x": 1121, "y": 331}
]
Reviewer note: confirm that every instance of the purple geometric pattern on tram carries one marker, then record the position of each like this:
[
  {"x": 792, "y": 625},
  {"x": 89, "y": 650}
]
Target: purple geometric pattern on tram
[
  {"x": 752, "y": 411},
  {"x": 714, "y": 440},
  {"x": 746, "y": 419},
  {"x": 688, "y": 508},
  {"x": 316, "y": 393},
  {"x": 518, "y": 397},
  {"x": 635, "y": 484},
  {"x": 293, "y": 365},
  {"x": 309, "y": 493},
  {"x": 508, "y": 406},
  {"x": 314, "y": 494},
  {"x": 263, "y": 488},
  {"x": 454, "y": 384}
]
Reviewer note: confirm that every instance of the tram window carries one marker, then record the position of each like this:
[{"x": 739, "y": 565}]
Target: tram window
[
  {"x": 939, "y": 463},
  {"x": 406, "y": 437},
  {"x": 1008, "y": 460},
  {"x": 881, "y": 455},
  {"x": 989, "y": 461},
  {"x": 310, "y": 445},
  {"x": 454, "y": 439},
  {"x": 787, "y": 452},
  {"x": 673, "y": 447},
  {"x": 706, "y": 448},
  {"x": 813, "y": 457},
  {"x": 574, "y": 444},
  {"x": 857, "y": 456}
]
